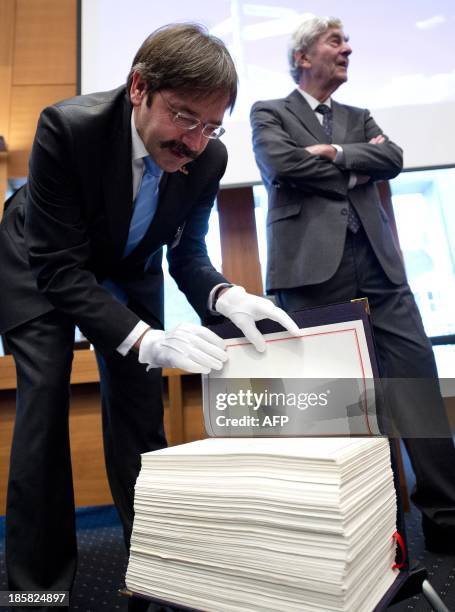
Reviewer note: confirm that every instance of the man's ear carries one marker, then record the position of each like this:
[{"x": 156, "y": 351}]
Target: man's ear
[
  {"x": 138, "y": 89},
  {"x": 301, "y": 59}
]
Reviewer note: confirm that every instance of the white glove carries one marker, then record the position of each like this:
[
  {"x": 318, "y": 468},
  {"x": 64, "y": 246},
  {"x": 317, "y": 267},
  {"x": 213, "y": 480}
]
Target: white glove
[
  {"x": 191, "y": 347},
  {"x": 243, "y": 309}
]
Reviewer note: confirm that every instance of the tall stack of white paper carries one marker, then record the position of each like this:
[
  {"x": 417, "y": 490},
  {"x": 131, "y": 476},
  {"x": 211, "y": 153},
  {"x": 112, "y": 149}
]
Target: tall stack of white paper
[{"x": 266, "y": 524}]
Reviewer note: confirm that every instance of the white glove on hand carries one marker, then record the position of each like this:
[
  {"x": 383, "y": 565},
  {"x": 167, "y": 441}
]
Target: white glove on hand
[
  {"x": 243, "y": 309},
  {"x": 191, "y": 347}
]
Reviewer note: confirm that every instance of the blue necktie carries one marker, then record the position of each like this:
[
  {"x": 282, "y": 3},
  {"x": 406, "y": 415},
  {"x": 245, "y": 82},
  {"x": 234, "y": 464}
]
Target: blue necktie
[
  {"x": 144, "y": 210},
  {"x": 145, "y": 205},
  {"x": 327, "y": 125}
]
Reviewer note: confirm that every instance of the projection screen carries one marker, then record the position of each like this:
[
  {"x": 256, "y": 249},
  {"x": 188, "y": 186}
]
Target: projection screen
[{"x": 402, "y": 66}]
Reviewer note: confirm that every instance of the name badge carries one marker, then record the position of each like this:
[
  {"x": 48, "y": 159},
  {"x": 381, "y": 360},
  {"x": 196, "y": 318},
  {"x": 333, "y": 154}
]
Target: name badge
[{"x": 178, "y": 235}]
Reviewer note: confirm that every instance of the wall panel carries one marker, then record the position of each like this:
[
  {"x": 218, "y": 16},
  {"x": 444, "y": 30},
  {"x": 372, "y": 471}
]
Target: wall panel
[
  {"x": 239, "y": 245},
  {"x": 7, "y": 22},
  {"x": 45, "y": 42}
]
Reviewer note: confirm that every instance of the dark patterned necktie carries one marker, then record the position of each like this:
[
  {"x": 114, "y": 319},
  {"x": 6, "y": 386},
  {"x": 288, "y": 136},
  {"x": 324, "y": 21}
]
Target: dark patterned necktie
[
  {"x": 327, "y": 120},
  {"x": 327, "y": 126}
]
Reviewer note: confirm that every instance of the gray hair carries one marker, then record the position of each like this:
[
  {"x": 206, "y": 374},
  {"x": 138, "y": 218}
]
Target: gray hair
[{"x": 305, "y": 36}]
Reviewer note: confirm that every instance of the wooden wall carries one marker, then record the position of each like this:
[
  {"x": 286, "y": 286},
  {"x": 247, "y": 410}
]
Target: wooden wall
[{"x": 37, "y": 67}]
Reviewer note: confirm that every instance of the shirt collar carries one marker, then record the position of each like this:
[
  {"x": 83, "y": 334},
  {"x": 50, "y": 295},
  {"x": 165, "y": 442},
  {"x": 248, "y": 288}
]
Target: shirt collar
[
  {"x": 138, "y": 150},
  {"x": 312, "y": 101}
]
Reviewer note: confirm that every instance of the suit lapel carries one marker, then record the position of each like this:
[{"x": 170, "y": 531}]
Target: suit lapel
[
  {"x": 340, "y": 122},
  {"x": 118, "y": 180},
  {"x": 299, "y": 107}
]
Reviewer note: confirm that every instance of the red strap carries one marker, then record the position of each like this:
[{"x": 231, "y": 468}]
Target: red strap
[{"x": 396, "y": 536}]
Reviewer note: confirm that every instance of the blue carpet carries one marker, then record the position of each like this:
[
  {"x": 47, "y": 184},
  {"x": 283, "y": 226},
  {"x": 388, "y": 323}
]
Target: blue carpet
[{"x": 101, "y": 562}]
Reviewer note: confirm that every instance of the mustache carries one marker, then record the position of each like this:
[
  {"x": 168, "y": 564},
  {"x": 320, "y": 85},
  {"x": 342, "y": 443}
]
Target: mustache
[{"x": 179, "y": 147}]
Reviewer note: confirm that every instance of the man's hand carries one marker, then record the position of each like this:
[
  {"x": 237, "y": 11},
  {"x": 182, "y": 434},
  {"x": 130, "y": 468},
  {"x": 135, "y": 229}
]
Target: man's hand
[
  {"x": 243, "y": 309},
  {"x": 362, "y": 179},
  {"x": 323, "y": 150},
  {"x": 191, "y": 347},
  {"x": 377, "y": 139}
]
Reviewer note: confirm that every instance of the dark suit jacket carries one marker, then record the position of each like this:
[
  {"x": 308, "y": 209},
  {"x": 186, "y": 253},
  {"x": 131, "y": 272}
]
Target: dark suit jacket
[
  {"x": 309, "y": 196},
  {"x": 65, "y": 231}
]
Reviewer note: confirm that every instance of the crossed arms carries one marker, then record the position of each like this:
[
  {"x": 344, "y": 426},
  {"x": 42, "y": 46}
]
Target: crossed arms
[{"x": 287, "y": 153}]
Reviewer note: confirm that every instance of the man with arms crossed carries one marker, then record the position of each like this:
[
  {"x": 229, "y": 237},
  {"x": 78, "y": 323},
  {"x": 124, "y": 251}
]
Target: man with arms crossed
[
  {"x": 113, "y": 177},
  {"x": 329, "y": 240}
]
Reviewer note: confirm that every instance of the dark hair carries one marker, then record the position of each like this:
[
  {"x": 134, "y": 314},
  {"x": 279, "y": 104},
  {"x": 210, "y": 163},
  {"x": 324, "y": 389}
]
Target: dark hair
[{"x": 186, "y": 58}]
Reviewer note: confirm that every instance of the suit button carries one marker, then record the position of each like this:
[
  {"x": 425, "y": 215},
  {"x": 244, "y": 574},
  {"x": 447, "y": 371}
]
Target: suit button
[{"x": 344, "y": 211}]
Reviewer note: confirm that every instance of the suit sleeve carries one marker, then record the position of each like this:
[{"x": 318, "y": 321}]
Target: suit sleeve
[
  {"x": 282, "y": 161},
  {"x": 58, "y": 241},
  {"x": 189, "y": 263},
  {"x": 380, "y": 161}
]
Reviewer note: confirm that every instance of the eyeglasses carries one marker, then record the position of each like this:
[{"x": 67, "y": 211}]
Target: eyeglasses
[{"x": 188, "y": 122}]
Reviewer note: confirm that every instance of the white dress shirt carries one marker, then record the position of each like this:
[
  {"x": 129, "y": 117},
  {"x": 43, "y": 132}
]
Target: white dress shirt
[{"x": 138, "y": 151}]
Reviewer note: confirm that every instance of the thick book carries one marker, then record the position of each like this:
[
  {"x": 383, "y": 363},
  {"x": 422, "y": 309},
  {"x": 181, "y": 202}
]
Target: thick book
[
  {"x": 266, "y": 524},
  {"x": 322, "y": 382}
]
